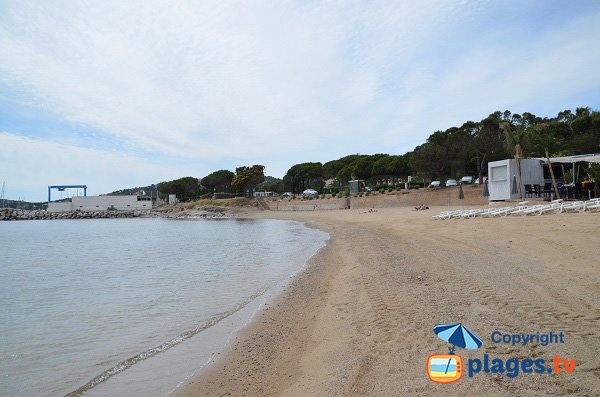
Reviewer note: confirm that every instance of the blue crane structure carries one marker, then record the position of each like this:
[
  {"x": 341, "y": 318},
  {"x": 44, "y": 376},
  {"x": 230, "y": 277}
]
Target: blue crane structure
[{"x": 61, "y": 188}]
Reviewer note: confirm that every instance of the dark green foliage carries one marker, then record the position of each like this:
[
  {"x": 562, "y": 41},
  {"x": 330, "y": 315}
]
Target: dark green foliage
[
  {"x": 187, "y": 188},
  {"x": 127, "y": 192},
  {"x": 218, "y": 181},
  {"x": 271, "y": 184},
  {"x": 304, "y": 176},
  {"x": 248, "y": 177}
]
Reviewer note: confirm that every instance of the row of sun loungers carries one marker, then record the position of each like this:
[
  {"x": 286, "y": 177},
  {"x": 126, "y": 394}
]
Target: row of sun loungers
[{"x": 523, "y": 209}]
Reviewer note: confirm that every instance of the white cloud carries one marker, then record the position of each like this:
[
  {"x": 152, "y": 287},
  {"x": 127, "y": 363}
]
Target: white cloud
[
  {"x": 216, "y": 78},
  {"x": 30, "y": 165},
  {"x": 282, "y": 82}
]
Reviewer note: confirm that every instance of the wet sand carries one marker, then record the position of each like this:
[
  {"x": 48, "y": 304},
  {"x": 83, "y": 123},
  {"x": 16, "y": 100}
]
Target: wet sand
[{"x": 359, "y": 320}]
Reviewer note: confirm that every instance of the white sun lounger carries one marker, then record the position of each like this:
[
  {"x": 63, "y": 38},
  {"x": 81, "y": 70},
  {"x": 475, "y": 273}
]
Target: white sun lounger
[
  {"x": 591, "y": 205},
  {"x": 574, "y": 206},
  {"x": 555, "y": 207}
]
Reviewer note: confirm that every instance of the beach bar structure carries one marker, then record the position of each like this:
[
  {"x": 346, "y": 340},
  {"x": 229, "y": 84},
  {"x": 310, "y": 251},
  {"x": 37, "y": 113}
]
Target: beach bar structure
[
  {"x": 503, "y": 178},
  {"x": 356, "y": 186}
]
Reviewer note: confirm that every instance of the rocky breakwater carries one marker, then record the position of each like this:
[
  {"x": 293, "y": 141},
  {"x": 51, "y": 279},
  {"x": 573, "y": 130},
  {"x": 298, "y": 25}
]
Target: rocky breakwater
[
  {"x": 200, "y": 212},
  {"x": 10, "y": 214}
]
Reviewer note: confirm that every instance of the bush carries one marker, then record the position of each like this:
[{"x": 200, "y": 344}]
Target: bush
[
  {"x": 381, "y": 190},
  {"x": 322, "y": 196},
  {"x": 333, "y": 194},
  {"x": 390, "y": 189}
]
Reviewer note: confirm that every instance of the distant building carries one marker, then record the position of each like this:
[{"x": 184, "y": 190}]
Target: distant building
[
  {"x": 357, "y": 186},
  {"x": 503, "y": 177},
  {"x": 102, "y": 203},
  {"x": 263, "y": 194}
]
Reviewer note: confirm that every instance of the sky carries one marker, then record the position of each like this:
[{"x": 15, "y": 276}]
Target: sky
[{"x": 118, "y": 94}]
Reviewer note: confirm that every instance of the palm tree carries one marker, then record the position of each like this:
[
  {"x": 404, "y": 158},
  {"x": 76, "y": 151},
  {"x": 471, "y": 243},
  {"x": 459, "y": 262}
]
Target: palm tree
[
  {"x": 547, "y": 141},
  {"x": 515, "y": 138}
]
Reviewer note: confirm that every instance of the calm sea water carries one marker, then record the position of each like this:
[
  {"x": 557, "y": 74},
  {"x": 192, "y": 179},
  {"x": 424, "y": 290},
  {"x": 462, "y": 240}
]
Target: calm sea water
[{"x": 85, "y": 303}]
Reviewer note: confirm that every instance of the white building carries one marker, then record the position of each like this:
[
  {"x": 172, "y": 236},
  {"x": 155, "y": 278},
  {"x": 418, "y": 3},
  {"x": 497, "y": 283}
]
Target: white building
[
  {"x": 102, "y": 203},
  {"x": 503, "y": 179},
  {"x": 263, "y": 194}
]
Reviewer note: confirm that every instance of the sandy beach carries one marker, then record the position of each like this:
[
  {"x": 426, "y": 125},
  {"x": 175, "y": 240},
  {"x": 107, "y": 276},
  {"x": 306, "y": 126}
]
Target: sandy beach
[{"x": 359, "y": 320}]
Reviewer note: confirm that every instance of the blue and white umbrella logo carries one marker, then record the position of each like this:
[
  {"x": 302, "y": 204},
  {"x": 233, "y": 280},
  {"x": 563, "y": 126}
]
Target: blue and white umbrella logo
[{"x": 457, "y": 335}]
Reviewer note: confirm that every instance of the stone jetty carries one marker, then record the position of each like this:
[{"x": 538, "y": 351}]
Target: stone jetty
[{"x": 11, "y": 214}]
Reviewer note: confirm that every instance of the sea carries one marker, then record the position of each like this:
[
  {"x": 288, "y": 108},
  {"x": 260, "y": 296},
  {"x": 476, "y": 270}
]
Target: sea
[{"x": 121, "y": 307}]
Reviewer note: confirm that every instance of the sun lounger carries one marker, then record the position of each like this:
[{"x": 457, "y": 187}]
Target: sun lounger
[
  {"x": 555, "y": 206},
  {"x": 591, "y": 205},
  {"x": 523, "y": 208},
  {"x": 574, "y": 206}
]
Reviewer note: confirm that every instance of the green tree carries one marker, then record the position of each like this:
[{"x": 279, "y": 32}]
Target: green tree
[
  {"x": 187, "y": 188},
  {"x": 303, "y": 176},
  {"x": 247, "y": 177},
  {"x": 548, "y": 143},
  {"x": 515, "y": 137},
  {"x": 218, "y": 181}
]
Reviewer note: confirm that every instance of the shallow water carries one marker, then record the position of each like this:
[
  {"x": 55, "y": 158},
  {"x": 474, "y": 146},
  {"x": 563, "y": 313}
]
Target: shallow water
[{"x": 103, "y": 299}]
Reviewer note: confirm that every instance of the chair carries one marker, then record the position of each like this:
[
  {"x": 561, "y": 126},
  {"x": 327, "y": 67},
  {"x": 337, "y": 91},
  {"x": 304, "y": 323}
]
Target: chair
[{"x": 547, "y": 190}]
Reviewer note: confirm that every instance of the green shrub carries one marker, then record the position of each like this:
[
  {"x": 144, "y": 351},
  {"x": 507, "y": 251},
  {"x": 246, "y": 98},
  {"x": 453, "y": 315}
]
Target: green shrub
[
  {"x": 333, "y": 194},
  {"x": 381, "y": 190}
]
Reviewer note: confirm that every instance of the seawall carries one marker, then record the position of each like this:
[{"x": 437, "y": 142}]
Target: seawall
[
  {"x": 10, "y": 214},
  {"x": 473, "y": 196}
]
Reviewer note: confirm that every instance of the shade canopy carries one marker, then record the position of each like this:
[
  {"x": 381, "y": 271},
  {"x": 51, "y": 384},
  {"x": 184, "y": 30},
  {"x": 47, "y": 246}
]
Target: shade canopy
[
  {"x": 458, "y": 335},
  {"x": 586, "y": 158}
]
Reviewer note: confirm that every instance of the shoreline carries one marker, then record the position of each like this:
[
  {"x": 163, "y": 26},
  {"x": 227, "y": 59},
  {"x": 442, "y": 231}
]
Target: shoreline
[{"x": 358, "y": 320}]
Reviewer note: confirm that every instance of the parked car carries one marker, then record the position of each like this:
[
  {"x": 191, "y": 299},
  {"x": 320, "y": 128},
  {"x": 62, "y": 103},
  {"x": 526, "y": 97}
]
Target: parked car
[
  {"x": 451, "y": 182},
  {"x": 288, "y": 194},
  {"x": 467, "y": 180},
  {"x": 477, "y": 180},
  {"x": 435, "y": 184},
  {"x": 310, "y": 193}
]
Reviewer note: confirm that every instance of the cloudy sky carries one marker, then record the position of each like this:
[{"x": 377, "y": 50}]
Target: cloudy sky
[{"x": 116, "y": 94}]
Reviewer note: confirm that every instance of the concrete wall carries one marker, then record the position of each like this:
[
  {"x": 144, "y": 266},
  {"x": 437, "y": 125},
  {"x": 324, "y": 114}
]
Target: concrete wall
[
  {"x": 532, "y": 172},
  {"x": 59, "y": 207},
  {"x": 102, "y": 203},
  {"x": 429, "y": 197}
]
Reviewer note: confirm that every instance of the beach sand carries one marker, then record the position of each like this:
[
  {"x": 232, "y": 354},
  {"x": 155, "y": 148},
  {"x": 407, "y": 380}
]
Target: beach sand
[{"x": 359, "y": 320}]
